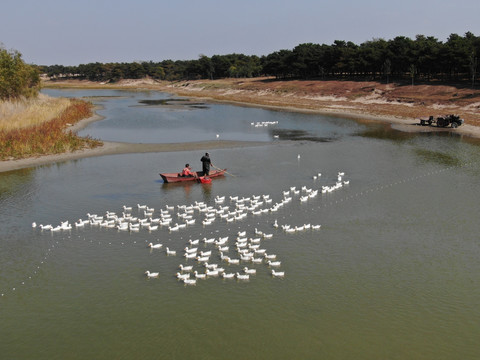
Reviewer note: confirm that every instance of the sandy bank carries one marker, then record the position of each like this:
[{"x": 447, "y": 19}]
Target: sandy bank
[{"x": 111, "y": 148}]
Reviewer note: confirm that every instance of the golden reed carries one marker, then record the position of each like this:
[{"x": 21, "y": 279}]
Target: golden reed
[{"x": 37, "y": 127}]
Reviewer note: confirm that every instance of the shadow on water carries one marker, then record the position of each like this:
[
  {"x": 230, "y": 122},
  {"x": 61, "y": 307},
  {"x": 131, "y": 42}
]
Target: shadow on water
[
  {"x": 385, "y": 132},
  {"x": 437, "y": 157},
  {"x": 175, "y": 102},
  {"x": 298, "y": 135}
]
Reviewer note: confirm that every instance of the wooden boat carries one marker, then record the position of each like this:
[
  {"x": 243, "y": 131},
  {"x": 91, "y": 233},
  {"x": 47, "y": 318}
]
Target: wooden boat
[{"x": 176, "y": 177}]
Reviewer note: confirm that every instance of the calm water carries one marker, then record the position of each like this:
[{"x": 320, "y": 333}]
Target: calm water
[{"x": 393, "y": 273}]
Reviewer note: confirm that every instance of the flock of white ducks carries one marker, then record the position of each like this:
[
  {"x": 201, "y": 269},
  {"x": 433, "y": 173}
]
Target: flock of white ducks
[{"x": 246, "y": 250}]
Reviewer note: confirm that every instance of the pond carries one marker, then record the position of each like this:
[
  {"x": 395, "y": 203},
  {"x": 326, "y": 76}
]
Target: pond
[{"x": 391, "y": 273}]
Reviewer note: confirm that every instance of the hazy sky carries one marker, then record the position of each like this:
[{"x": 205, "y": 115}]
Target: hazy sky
[{"x": 67, "y": 32}]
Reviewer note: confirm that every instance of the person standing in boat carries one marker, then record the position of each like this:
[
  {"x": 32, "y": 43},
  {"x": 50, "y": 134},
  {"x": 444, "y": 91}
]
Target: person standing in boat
[{"x": 206, "y": 162}]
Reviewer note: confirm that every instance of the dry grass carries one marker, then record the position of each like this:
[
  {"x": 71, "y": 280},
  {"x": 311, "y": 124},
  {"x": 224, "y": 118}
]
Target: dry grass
[
  {"x": 24, "y": 113},
  {"x": 38, "y": 127}
]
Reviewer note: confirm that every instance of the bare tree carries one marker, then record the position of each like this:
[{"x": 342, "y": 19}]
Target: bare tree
[
  {"x": 473, "y": 67},
  {"x": 413, "y": 70},
  {"x": 387, "y": 67}
]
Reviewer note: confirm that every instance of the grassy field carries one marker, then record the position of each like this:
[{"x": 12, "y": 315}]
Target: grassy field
[{"x": 38, "y": 127}]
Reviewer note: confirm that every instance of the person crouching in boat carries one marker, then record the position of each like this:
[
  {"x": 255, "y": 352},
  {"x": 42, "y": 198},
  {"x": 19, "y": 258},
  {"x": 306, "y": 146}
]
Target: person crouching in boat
[{"x": 187, "y": 171}]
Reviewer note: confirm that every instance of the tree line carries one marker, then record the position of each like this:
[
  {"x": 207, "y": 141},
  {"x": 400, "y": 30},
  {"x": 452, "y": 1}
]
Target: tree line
[{"x": 424, "y": 59}]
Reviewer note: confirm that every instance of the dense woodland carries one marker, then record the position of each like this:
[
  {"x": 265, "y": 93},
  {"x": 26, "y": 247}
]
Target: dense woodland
[{"x": 400, "y": 59}]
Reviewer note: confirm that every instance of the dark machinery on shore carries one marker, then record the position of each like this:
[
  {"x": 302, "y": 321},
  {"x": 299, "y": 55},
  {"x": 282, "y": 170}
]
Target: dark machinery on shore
[{"x": 442, "y": 121}]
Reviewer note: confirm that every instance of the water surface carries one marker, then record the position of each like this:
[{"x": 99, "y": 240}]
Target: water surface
[{"x": 391, "y": 274}]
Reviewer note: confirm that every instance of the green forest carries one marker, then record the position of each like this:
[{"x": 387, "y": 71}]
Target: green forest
[
  {"x": 17, "y": 79},
  {"x": 421, "y": 59}
]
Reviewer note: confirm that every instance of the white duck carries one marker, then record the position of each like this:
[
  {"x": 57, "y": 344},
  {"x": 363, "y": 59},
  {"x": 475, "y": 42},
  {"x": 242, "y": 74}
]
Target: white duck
[
  {"x": 274, "y": 263},
  {"x": 186, "y": 268},
  {"x": 278, "y": 273},
  {"x": 249, "y": 271},
  {"x": 242, "y": 276},
  {"x": 171, "y": 252},
  {"x": 200, "y": 276},
  {"x": 152, "y": 274},
  {"x": 183, "y": 276},
  {"x": 154, "y": 246},
  {"x": 190, "y": 281}
]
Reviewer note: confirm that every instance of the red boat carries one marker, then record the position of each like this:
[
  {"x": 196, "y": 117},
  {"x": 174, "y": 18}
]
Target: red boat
[{"x": 177, "y": 177}]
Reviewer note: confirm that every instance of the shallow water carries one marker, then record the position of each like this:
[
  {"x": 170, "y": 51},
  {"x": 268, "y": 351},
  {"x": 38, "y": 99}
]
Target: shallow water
[{"x": 392, "y": 273}]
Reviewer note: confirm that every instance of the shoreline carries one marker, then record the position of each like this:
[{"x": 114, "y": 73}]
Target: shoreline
[{"x": 401, "y": 123}]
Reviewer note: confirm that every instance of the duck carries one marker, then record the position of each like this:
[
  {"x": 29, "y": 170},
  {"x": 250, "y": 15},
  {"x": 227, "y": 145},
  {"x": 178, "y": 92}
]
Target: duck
[
  {"x": 34, "y": 224},
  {"x": 211, "y": 272},
  {"x": 123, "y": 227},
  {"x": 152, "y": 274},
  {"x": 200, "y": 276},
  {"x": 315, "y": 227},
  {"x": 191, "y": 256},
  {"x": 233, "y": 261},
  {"x": 203, "y": 259},
  {"x": 46, "y": 227},
  {"x": 182, "y": 276},
  {"x": 278, "y": 273},
  {"x": 194, "y": 242},
  {"x": 242, "y": 276},
  {"x": 173, "y": 228},
  {"x": 274, "y": 263},
  {"x": 270, "y": 256},
  {"x": 242, "y": 233},
  {"x": 190, "y": 281},
  {"x": 186, "y": 268},
  {"x": 221, "y": 241},
  {"x": 141, "y": 206},
  {"x": 249, "y": 271},
  {"x": 205, "y": 253},
  {"x": 154, "y": 246},
  {"x": 275, "y": 224},
  {"x": 209, "y": 241},
  {"x": 127, "y": 208},
  {"x": 190, "y": 250},
  {"x": 152, "y": 227},
  {"x": 228, "y": 275},
  {"x": 79, "y": 223},
  {"x": 171, "y": 252},
  {"x": 210, "y": 266}
]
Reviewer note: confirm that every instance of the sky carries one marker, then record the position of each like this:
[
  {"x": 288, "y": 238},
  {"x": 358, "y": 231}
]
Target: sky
[{"x": 73, "y": 32}]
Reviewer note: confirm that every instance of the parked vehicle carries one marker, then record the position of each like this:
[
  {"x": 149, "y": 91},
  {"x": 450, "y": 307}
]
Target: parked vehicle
[{"x": 442, "y": 121}]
